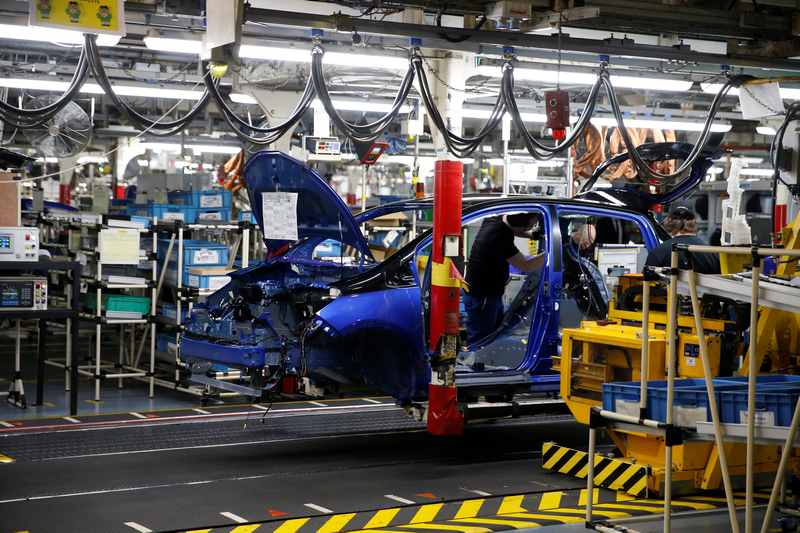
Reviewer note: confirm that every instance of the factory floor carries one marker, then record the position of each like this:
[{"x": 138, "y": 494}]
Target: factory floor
[
  {"x": 334, "y": 465},
  {"x": 360, "y": 464}
]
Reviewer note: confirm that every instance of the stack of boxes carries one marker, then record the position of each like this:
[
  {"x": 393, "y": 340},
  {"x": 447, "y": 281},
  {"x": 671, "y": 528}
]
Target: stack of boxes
[
  {"x": 190, "y": 207},
  {"x": 205, "y": 264}
]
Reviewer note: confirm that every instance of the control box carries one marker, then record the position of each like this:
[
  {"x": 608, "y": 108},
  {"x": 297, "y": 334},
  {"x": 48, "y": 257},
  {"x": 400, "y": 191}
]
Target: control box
[
  {"x": 23, "y": 293},
  {"x": 19, "y": 244},
  {"x": 323, "y": 145},
  {"x": 615, "y": 260}
]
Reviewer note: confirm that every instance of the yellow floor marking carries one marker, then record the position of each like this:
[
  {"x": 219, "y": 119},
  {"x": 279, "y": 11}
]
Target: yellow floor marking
[
  {"x": 550, "y": 500},
  {"x": 539, "y": 516},
  {"x": 449, "y": 527},
  {"x": 632, "y": 507},
  {"x": 426, "y": 513},
  {"x": 555, "y": 458},
  {"x": 582, "y": 512},
  {"x": 680, "y": 503},
  {"x": 291, "y": 526},
  {"x": 382, "y": 518},
  {"x": 624, "y": 497},
  {"x": 469, "y": 508},
  {"x": 512, "y": 504},
  {"x": 518, "y": 524},
  {"x": 336, "y": 523},
  {"x": 246, "y": 529},
  {"x": 192, "y": 531},
  {"x": 5, "y": 459},
  {"x": 582, "y": 499}
]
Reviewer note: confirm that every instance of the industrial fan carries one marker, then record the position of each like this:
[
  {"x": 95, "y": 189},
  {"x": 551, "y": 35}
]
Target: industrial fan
[{"x": 65, "y": 135}]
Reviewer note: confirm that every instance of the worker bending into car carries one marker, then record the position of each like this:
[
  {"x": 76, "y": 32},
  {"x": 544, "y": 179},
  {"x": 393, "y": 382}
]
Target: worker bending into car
[
  {"x": 681, "y": 223},
  {"x": 488, "y": 269}
]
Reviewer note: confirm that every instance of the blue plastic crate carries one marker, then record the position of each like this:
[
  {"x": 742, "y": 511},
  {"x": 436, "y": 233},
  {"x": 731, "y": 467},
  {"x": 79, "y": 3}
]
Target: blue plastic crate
[
  {"x": 163, "y": 342},
  {"x": 215, "y": 199},
  {"x": 170, "y": 311},
  {"x": 690, "y": 399},
  {"x": 200, "y": 281},
  {"x": 776, "y": 396},
  {"x": 195, "y": 253},
  {"x": 141, "y": 210},
  {"x": 172, "y": 212},
  {"x": 246, "y": 216},
  {"x": 210, "y": 214}
]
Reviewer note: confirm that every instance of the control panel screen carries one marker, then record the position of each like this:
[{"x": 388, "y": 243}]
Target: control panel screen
[{"x": 6, "y": 243}]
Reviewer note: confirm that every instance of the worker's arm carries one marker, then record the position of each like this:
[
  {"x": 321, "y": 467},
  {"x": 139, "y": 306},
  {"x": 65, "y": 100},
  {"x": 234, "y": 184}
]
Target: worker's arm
[{"x": 526, "y": 264}]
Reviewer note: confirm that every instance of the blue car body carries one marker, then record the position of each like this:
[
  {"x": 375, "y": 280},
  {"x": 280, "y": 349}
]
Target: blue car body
[{"x": 362, "y": 322}]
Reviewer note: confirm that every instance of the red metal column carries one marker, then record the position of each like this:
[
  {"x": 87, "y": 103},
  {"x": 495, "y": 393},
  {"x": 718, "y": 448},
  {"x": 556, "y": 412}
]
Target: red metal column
[{"x": 444, "y": 415}]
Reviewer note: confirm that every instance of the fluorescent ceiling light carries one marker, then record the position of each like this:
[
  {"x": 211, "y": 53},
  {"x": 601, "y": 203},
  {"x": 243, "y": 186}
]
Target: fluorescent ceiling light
[
  {"x": 196, "y": 148},
  {"x": 745, "y": 160},
  {"x": 83, "y": 160},
  {"x": 678, "y": 125},
  {"x": 242, "y": 98},
  {"x": 364, "y": 106},
  {"x": 52, "y": 35},
  {"x": 757, "y": 172},
  {"x": 588, "y": 78},
  {"x": 342, "y": 59},
  {"x": 766, "y": 130},
  {"x": 93, "y": 88},
  {"x": 713, "y": 88},
  {"x": 176, "y": 46},
  {"x": 609, "y": 121}
]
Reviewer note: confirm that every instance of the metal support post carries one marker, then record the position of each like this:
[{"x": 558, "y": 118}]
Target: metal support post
[
  {"x": 364, "y": 188},
  {"x": 179, "y": 304},
  {"x": 590, "y": 474},
  {"x": 644, "y": 364},
  {"x": 712, "y": 403},
  {"x": 444, "y": 415},
  {"x": 246, "y": 247},
  {"x": 752, "y": 374},
  {"x": 98, "y": 331},
  {"x": 68, "y": 360},
  {"x": 153, "y": 303},
  {"x": 672, "y": 326}
]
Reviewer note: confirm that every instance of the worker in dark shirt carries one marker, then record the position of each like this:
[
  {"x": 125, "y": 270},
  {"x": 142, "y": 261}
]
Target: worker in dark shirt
[
  {"x": 681, "y": 224},
  {"x": 488, "y": 270}
]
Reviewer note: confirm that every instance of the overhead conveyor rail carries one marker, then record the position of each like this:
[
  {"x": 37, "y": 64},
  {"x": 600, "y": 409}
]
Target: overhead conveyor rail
[{"x": 316, "y": 87}]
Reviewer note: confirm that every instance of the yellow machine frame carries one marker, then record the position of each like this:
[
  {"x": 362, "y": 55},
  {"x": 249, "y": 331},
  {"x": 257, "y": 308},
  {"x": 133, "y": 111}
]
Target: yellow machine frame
[{"x": 599, "y": 352}]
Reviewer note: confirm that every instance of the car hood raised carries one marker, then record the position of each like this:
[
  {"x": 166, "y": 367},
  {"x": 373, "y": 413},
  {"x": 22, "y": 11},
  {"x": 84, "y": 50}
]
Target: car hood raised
[{"x": 321, "y": 213}]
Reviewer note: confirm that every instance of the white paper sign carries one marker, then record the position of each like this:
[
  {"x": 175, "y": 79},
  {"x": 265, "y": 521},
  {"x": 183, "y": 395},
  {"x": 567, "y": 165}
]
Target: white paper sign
[
  {"x": 119, "y": 246},
  {"x": 279, "y": 213},
  {"x": 763, "y": 418},
  {"x": 760, "y": 100},
  {"x": 204, "y": 256}
]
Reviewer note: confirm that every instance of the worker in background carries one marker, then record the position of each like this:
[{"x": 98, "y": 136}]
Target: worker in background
[
  {"x": 681, "y": 223},
  {"x": 488, "y": 269}
]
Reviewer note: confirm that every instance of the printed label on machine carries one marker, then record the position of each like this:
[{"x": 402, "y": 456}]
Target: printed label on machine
[{"x": 763, "y": 418}]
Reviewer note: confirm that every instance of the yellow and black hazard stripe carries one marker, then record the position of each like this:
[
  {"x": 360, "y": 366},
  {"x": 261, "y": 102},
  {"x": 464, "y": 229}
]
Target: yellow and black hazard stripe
[
  {"x": 479, "y": 515},
  {"x": 610, "y": 473}
]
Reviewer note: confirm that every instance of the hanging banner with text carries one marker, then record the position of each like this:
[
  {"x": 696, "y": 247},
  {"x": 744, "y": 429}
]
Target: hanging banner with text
[{"x": 88, "y": 16}]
